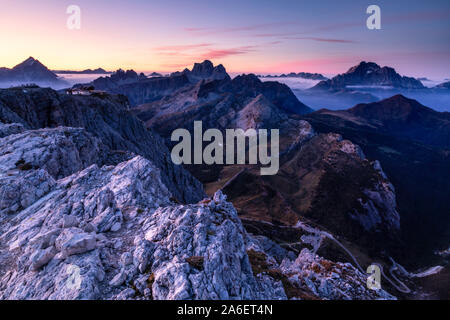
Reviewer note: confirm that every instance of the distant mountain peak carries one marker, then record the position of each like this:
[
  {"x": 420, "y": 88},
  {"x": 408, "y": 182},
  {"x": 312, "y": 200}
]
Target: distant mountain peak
[
  {"x": 30, "y": 62},
  {"x": 364, "y": 67},
  {"x": 206, "y": 70},
  {"x": 370, "y": 74},
  {"x": 205, "y": 64},
  {"x": 29, "y": 70}
]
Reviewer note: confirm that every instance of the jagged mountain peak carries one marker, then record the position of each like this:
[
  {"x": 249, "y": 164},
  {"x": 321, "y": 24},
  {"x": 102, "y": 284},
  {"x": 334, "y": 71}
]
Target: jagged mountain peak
[
  {"x": 247, "y": 79},
  {"x": 206, "y": 71},
  {"x": 205, "y": 64},
  {"x": 370, "y": 74},
  {"x": 364, "y": 66}
]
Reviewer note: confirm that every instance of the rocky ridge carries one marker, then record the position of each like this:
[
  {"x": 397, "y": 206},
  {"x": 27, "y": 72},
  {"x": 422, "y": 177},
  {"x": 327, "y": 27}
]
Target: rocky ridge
[
  {"x": 84, "y": 231},
  {"x": 105, "y": 117}
]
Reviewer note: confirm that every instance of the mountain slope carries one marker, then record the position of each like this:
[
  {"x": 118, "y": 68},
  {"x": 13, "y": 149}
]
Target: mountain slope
[
  {"x": 402, "y": 117},
  {"x": 29, "y": 71},
  {"x": 411, "y": 142},
  {"x": 222, "y": 104},
  {"x": 85, "y": 231}
]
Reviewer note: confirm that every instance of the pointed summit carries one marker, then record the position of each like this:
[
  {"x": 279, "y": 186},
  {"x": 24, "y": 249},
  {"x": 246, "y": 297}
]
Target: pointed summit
[
  {"x": 31, "y": 70},
  {"x": 30, "y": 62}
]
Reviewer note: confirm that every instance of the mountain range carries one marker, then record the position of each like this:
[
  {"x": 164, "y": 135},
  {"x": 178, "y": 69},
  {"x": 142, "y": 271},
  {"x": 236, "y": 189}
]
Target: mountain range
[
  {"x": 86, "y": 71},
  {"x": 303, "y": 75},
  {"x": 92, "y": 207},
  {"x": 368, "y": 82}
]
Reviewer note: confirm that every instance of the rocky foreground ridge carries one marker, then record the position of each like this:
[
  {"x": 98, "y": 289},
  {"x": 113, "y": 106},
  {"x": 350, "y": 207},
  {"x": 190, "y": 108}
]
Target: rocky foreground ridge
[
  {"x": 72, "y": 229},
  {"x": 107, "y": 118}
]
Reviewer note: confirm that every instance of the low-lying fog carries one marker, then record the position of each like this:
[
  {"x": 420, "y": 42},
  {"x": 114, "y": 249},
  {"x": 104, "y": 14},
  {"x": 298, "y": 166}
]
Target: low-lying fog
[{"x": 437, "y": 99}]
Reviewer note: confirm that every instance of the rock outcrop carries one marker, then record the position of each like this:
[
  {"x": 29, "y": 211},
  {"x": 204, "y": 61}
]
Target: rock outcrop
[
  {"x": 73, "y": 229},
  {"x": 108, "y": 119},
  {"x": 206, "y": 71}
]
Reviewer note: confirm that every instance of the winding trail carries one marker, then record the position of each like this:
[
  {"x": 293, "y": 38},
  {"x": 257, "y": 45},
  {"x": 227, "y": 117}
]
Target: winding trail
[{"x": 320, "y": 235}]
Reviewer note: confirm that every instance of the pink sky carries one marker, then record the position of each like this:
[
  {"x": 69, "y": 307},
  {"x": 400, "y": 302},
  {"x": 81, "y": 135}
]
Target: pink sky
[{"x": 245, "y": 36}]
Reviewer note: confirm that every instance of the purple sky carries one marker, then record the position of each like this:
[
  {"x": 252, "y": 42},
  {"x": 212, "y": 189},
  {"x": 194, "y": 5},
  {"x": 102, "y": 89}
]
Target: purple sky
[{"x": 246, "y": 35}]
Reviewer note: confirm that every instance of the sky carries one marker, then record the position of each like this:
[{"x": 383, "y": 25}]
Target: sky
[{"x": 259, "y": 36}]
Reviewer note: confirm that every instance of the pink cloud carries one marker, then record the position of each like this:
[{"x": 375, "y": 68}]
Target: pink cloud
[
  {"x": 174, "y": 66},
  {"x": 216, "y": 54},
  {"x": 178, "y": 59}
]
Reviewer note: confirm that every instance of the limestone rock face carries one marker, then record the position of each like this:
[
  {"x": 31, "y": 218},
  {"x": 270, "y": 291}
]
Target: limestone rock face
[
  {"x": 124, "y": 233},
  {"x": 112, "y": 232},
  {"x": 108, "y": 119},
  {"x": 329, "y": 280},
  {"x": 201, "y": 249},
  {"x": 60, "y": 151},
  {"x": 12, "y": 128},
  {"x": 89, "y": 212}
]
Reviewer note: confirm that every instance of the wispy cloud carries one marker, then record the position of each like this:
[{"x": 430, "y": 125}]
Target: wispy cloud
[
  {"x": 222, "y": 53},
  {"x": 175, "y": 59},
  {"x": 174, "y": 66},
  {"x": 183, "y": 47},
  {"x": 212, "y": 31},
  {"x": 196, "y": 51},
  {"x": 321, "y": 39}
]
